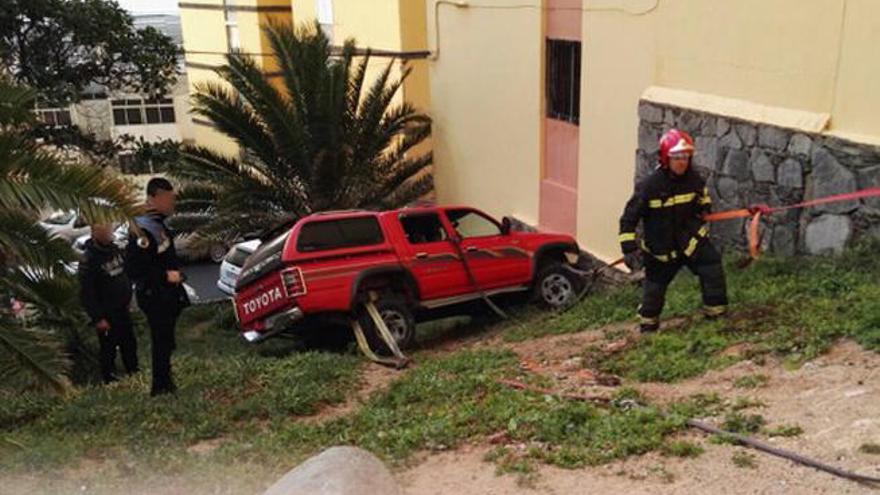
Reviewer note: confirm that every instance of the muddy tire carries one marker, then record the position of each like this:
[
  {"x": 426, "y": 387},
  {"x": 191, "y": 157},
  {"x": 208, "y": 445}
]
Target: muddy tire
[
  {"x": 556, "y": 287},
  {"x": 399, "y": 319}
]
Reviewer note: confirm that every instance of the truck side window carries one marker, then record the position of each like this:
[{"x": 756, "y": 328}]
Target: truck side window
[
  {"x": 423, "y": 228},
  {"x": 337, "y": 234},
  {"x": 469, "y": 223}
]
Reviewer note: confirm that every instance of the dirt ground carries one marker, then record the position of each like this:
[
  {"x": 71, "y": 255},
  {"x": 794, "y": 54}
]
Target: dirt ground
[{"x": 835, "y": 399}]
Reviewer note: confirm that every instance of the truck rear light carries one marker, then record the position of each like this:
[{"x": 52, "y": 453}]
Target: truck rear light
[{"x": 294, "y": 283}]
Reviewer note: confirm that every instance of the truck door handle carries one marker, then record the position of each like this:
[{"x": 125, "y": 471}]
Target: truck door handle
[
  {"x": 421, "y": 255},
  {"x": 471, "y": 249}
]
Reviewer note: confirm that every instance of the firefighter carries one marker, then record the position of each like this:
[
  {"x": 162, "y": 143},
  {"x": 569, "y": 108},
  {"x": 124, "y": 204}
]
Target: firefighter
[
  {"x": 155, "y": 269},
  {"x": 671, "y": 202},
  {"x": 105, "y": 292}
]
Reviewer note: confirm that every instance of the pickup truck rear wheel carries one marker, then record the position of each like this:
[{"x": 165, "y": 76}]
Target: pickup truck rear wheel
[
  {"x": 399, "y": 319},
  {"x": 556, "y": 287}
]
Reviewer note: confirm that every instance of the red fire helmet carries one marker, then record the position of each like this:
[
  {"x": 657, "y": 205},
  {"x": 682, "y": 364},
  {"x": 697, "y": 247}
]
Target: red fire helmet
[{"x": 675, "y": 141}]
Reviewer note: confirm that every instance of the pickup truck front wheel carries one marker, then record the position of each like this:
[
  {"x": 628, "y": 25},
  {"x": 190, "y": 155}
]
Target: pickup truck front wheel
[
  {"x": 556, "y": 287},
  {"x": 399, "y": 319}
]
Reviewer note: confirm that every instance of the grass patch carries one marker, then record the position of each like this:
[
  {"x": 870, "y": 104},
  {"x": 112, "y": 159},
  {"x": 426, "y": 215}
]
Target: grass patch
[
  {"x": 784, "y": 431},
  {"x": 224, "y": 387},
  {"x": 793, "y": 309},
  {"x": 682, "y": 448},
  {"x": 744, "y": 460},
  {"x": 870, "y": 448},
  {"x": 751, "y": 381}
]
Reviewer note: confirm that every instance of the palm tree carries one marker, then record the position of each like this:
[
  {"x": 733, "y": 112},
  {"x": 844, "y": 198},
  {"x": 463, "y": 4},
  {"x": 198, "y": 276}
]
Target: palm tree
[
  {"x": 317, "y": 138},
  {"x": 33, "y": 179}
]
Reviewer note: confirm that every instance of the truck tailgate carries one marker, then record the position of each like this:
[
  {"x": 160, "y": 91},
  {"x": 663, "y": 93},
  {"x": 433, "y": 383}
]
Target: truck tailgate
[{"x": 262, "y": 298}]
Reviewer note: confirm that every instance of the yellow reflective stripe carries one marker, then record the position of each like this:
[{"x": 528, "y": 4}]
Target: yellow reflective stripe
[
  {"x": 678, "y": 199},
  {"x": 704, "y": 231},
  {"x": 692, "y": 246},
  {"x": 715, "y": 310},
  {"x": 626, "y": 236},
  {"x": 705, "y": 200},
  {"x": 647, "y": 320},
  {"x": 660, "y": 257}
]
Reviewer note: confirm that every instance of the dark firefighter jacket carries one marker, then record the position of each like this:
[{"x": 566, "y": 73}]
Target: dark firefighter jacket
[
  {"x": 671, "y": 209},
  {"x": 104, "y": 286}
]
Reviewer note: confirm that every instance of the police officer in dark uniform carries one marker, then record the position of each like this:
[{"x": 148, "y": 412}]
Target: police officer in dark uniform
[
  {"x": 671, "y": 203},
  {"x": 155, "y": 269},
  {"x": 105, "y": 292}
]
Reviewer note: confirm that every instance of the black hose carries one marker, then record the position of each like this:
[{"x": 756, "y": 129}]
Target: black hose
[{"x": 785, "y": 454}]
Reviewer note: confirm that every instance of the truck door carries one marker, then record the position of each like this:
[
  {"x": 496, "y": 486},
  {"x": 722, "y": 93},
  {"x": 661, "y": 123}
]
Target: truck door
[
  {"x": 495, "y": 259},
  {"x": 431, "y": 257}
]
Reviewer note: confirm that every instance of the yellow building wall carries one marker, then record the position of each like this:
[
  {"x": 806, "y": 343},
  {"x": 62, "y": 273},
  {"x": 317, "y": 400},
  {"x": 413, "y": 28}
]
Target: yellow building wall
[
  {"x": 617, "y": 65},
  {"x": 485, "y": 90},
  {"x": 205, "y": 42},
  {"x": 817, "y": 57},
  {"x": 856, "y": 111}
]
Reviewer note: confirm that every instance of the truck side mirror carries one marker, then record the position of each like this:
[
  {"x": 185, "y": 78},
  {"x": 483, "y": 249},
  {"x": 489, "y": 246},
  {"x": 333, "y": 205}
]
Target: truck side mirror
[{"x": 506, "y": 226}]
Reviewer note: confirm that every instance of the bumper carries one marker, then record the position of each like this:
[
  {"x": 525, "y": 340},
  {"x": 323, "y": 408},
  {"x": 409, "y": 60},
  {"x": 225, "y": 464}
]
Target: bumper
[
  {"x": 274, "y": 324},
  {"x": 225, "y": 288}
]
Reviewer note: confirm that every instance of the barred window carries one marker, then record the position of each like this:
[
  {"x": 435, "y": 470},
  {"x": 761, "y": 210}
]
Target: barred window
[{"x": 563, "y": 80}]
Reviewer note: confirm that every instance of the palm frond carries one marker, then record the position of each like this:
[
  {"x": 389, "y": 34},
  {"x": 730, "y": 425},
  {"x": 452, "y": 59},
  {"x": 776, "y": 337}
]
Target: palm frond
[
  {"x": 31, "y": 358},
  {"x": 24, "y": 242},
  {"x": 322, "y": 138}
]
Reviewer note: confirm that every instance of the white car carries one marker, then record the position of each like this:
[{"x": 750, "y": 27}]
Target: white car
[
  {"x": 232, "y": 263},
  {"x": 67, "y": 225}
]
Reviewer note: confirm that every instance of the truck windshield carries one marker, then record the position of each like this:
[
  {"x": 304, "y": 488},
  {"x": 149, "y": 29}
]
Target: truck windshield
[
  {"x": 469, "y": 223},
  {"x": 337, "y": 234}
]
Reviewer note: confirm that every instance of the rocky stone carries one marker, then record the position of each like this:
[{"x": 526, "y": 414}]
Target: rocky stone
[
  {"x": 736, "y": 165},
  {"x": 800, "y": 144},
  {"x": 784, "y": 240},
  {"x": 691, "y": 122},
  {"x": 829, "y": 178},
  {"x": 747, "y": 133},
  {"x": 710, "y": 124},
  {"x": 706, "y": 152},
  {"x": 338, "y": 471},
  {"x": 728, "y": 189},
  {"x": 772, "y": 137},
  {"x": 648, "y": 139},
  {"x": 762, "y": 167},
  {"x": 730, "y": 141},
  {"x": 670, "y": 117},
  {"x": 868, "y": 178},
  {"x": 828, "y": 234},
  {"x": 650, "y": 113},
  {"x": 791, "y": 174},
  {"x": 644, "y": 165},
  {"x": 722, "y": 126}
]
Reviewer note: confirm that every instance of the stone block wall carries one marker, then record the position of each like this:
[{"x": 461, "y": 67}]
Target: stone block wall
[{"x": 748, "y": 163}]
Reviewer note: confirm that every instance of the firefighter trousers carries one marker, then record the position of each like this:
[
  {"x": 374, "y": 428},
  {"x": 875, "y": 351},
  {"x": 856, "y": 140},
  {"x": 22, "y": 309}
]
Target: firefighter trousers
[{"x": 705, "y": 264}]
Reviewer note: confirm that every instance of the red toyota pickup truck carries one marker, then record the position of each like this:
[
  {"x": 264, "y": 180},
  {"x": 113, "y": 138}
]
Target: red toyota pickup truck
[{"x": 327, "y": 263}]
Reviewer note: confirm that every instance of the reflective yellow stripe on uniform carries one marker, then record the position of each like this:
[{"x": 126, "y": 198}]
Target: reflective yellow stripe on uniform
[
  {"x": 695, "y": 240},
  {"x": 660, "y": 257},
  {"x": 714, "y": 310},
  {"x": 626, "y": 236},
  {"x": 678, "y": 199},
  {"x": 647, "y": 320}
]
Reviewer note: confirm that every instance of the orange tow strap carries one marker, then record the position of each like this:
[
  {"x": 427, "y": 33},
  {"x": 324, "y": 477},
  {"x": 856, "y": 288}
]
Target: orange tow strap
[{"x": 756, "y": 211}]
